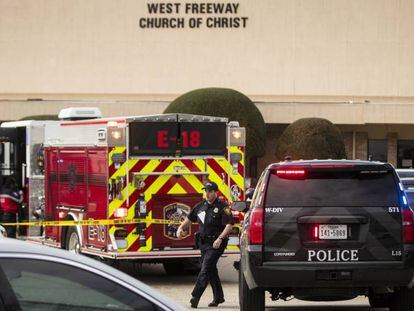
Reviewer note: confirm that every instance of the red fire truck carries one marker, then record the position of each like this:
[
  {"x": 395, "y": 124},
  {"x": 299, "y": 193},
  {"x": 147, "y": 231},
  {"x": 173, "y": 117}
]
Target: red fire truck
[{"x": 138, "y": 167}]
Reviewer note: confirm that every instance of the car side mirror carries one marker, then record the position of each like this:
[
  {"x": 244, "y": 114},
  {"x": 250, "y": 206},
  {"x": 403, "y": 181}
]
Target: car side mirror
[
  {"x": 240, "y": 206},
  {"x": 249, "y": 193},
  {"x": 3, "y": 232}
]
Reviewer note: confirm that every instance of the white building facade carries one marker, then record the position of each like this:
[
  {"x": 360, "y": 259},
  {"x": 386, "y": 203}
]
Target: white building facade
[{"x": 350, "y": 61}]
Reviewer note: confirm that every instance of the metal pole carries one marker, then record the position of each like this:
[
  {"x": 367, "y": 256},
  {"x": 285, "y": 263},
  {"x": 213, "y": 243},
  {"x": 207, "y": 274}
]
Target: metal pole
[{"x": 353, "y": 145}]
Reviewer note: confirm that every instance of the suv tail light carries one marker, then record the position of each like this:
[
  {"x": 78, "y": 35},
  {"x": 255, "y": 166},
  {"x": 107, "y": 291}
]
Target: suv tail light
[
  {"x": 257, "y": 217},
  {"x": 408, "y": 225},
  {"x": 315, "y": 232},
  {"x": 291, "y": 173},
  {"x": 256, "y": 226}
]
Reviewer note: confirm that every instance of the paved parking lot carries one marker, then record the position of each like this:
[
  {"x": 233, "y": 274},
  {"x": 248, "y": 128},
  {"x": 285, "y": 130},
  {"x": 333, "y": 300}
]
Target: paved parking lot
[{"x": 179, "y": 288}]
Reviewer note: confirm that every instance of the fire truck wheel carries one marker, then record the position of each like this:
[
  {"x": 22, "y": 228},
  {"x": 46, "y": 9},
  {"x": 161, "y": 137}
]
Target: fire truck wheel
[
  {"x": 183, "y": 267},
  {"x": 73, "y": 241},
  {"x": 193, "y": 266},
  {"x": 174, "y": 268}
]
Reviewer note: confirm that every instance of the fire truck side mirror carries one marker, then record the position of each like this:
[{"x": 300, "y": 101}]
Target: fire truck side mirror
[{"x": 249, "y": 194}]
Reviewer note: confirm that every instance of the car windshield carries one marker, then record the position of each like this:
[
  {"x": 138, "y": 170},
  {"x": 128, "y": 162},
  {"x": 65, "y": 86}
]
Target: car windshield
[
  {"x": 410, "y": 195},
  {"x": 42, "y": 285},
  {"x": 322, "y": 188},
  {"x": 406, "y": 174},
  {"x": 408, "y": 183}
]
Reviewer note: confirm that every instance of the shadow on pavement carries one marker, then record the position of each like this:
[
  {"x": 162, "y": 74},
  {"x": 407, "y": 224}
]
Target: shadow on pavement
[
  {"x": 300, "y": 308},
  {"x": 323, "y": 308}
]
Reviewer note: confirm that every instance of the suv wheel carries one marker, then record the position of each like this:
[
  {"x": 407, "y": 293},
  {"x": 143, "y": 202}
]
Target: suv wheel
[
  {"x": 379, "y": 301},
  {"x": 403, "y": 300},
  {"x": 250, "y": 299}
]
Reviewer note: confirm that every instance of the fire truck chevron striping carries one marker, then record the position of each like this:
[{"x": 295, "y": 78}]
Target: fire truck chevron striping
[
  {"x": 160, "y": 178},
  {"x": 139, "y": 176}
]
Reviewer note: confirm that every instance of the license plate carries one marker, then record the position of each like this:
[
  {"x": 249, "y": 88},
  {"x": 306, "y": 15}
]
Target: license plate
[{"x": 333, "y": 232}]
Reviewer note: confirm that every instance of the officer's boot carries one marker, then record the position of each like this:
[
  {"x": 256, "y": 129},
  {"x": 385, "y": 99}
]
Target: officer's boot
[
  {"x": 194, "y": 302},
  {"x": 215, "y": 303}
]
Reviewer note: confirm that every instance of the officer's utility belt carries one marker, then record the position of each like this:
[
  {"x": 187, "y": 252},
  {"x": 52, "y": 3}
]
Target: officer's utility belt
[{"x": 203, "y": 240}]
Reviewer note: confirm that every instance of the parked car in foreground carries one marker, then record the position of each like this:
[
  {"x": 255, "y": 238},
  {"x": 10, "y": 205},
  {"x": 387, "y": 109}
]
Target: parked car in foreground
[{"x": 35, "y": 277}]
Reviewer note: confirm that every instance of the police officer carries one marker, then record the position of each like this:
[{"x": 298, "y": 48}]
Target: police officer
[
  {"x": 10, "y": 199},
  {"x": 216, "y": 221}
]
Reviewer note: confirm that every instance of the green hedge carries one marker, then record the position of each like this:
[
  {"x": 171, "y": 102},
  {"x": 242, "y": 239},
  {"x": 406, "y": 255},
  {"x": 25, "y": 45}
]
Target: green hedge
[
  {"x": 311, "y": 138},
  {"x": 222, "y": 102}
]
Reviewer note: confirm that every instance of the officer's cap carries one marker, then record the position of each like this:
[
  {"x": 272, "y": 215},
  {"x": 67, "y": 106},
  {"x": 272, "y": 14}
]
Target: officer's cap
[{"x": 210, "y": 186}]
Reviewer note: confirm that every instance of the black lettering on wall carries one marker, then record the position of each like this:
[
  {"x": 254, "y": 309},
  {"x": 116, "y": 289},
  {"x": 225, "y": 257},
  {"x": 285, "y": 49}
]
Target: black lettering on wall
[{"x": 194, "y": 15}]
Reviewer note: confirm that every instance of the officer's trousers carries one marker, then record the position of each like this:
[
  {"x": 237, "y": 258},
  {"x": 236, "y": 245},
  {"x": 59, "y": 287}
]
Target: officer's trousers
[{"x": 209, "y": 273}]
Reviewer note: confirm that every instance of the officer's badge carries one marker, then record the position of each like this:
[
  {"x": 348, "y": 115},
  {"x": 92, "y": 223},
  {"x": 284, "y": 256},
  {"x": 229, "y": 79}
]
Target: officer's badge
[
  {"x": 227, "y": 210},
  {"x": 215, "y": 210}
]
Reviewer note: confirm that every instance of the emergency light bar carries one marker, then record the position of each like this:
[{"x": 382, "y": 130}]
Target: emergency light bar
[
  {"x": 300, "y": 171},
  {"x": 291, "y": 173},
  {"x": 80, "y": 113}
]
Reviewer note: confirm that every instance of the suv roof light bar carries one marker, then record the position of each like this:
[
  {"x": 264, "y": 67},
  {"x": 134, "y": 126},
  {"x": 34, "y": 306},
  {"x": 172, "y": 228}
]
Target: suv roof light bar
[{"x": 290, "y": 173}]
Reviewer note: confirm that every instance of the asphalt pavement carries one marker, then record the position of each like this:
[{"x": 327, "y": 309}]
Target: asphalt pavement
[{"x": 179, "y": 289}]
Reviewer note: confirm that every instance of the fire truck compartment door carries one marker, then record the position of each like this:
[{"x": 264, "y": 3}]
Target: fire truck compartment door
[{"x": 172, "y": 207}]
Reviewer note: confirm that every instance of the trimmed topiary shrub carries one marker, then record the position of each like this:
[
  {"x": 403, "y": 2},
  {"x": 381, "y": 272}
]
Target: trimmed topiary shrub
[
  {"x": 311, "y": 138},
  {"x": 222, "y": 102}
]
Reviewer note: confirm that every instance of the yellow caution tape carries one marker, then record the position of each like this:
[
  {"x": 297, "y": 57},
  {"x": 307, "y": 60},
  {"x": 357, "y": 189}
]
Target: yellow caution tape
[{"x": 94, "y": 222}]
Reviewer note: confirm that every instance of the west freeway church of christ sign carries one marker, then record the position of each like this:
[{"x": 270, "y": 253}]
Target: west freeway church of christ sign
[{"x": 193, "y": 15}]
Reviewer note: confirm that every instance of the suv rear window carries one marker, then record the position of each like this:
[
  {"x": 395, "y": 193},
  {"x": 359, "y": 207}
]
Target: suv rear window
[{"x": 324, "y": 188}]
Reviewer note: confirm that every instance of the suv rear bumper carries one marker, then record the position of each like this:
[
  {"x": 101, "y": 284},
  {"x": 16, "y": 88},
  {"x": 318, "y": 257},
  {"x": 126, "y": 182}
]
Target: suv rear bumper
[{"x": 309, "y": 274}]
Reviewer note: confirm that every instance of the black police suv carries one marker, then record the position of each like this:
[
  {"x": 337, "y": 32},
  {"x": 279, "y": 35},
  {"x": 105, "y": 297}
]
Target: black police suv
[{"x": 326, "y": 230}]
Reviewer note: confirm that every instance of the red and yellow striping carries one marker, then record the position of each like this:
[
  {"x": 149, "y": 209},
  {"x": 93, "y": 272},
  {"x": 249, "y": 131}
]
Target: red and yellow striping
[{"x": 158, "y": 176}]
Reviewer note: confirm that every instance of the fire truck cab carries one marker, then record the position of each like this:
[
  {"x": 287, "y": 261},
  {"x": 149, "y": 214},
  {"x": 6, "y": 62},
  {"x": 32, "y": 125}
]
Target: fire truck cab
[
  {"x": 21, "y": 158},
  {"x": 139, "y": 167}
]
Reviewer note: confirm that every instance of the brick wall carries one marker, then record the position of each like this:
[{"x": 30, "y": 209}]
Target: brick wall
[
  {"x": 361, "y": 146},
  {"x": 392, "y": 148},
  {"x": 348, "y": 141}
]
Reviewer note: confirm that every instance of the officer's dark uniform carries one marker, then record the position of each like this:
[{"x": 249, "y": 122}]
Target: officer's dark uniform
[{"x": 216, "y": 216}]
